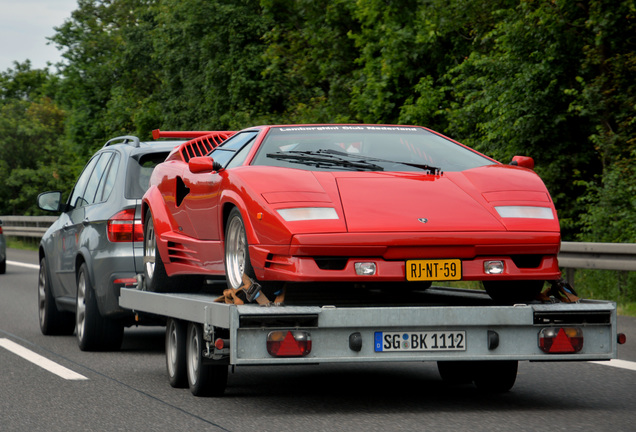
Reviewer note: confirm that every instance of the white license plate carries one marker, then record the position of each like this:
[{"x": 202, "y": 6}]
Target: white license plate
[{"x": 420, "y": 341}]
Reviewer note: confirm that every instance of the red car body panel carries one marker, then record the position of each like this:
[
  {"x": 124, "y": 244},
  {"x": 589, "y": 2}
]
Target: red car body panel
[{"x": 383, "y": 217}]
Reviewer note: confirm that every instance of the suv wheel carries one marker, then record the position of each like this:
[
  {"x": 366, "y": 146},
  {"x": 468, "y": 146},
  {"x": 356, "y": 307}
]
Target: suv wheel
[
  {"x": 94, "y": 332},
  {"x": 52, "y": 321}
]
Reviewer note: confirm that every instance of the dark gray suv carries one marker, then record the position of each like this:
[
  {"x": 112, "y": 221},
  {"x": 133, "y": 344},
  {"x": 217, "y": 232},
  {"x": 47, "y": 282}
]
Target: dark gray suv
[{"x": 96, "y": 245}]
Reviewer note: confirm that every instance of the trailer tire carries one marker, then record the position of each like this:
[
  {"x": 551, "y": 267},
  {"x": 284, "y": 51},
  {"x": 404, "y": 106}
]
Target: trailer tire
[
  {"x": 495, "y": 376},
  {"x": 176, "y": 334},
  {"x": 203, "y": 379},
  {"x": 456, "y": 372}
]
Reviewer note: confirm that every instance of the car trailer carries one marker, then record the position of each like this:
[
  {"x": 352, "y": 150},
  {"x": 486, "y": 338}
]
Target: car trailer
[{"x": 470, "y": 337}]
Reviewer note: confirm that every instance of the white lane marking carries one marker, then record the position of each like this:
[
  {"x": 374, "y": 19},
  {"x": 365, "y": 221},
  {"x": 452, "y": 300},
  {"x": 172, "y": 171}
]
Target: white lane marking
[
  {"x": 43, "y": 362},
  {"x": 20, "y": 264},
  {"x": 623, "y": 364}
]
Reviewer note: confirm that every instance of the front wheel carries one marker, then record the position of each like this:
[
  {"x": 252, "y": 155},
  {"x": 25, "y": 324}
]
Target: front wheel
[
  {"x": 237, "y": 257},
  {"x": 52, "y": 320}
]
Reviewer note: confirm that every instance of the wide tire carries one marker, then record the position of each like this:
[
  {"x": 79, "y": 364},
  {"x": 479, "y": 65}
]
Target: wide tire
[
  {"x": 156, "y": 278},
  {"x": 176, "y": 335},
  {"x": 204, "y": 379},
  {"x": 52, "y": 321},
  {"x": 94, "y": 332}
]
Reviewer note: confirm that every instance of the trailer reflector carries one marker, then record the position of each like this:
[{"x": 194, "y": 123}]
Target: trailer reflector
[
  {"x": 561, "y": 340},
  {"x": 291, "y": 343}
]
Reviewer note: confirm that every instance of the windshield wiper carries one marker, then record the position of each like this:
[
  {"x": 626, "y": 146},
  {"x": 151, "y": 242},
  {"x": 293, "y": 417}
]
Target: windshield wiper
[
  {"x": 325, "y": 159},
  {"x": 434, "y": 170}
]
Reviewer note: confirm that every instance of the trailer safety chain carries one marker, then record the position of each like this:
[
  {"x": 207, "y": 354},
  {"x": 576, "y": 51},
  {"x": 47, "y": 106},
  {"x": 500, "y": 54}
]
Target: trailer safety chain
[
  {"x": 559, "y": 290},
  {"x": 249, "y": 292}
]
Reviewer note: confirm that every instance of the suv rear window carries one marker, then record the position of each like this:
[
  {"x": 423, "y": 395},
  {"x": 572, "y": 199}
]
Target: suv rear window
[{"x": 138, "y": 174}]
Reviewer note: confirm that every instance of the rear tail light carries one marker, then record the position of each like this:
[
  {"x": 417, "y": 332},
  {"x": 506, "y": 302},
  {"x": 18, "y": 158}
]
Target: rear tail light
[
  {"x": 288, "y": 343},
  {"x": 126, "y": 282},
  {"x": 561, "y": 340},
  {"x": 123, "y": 227}
]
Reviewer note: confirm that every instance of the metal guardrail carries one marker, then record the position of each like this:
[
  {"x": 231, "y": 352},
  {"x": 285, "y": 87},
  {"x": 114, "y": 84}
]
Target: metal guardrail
[
  {"x": 600, "y": 256},
  {"x": 26, "y": 226},
  {"x": 573, "y": 255}
]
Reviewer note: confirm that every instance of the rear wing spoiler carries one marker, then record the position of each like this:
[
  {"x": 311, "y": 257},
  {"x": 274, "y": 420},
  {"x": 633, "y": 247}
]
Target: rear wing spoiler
[
  {"x": 157, "y": 133},
  {"x": 200, "y": 142}
]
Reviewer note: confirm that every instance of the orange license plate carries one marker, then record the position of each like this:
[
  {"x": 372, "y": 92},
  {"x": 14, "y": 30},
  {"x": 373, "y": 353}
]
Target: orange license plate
[{"x": 433, "y": 270}]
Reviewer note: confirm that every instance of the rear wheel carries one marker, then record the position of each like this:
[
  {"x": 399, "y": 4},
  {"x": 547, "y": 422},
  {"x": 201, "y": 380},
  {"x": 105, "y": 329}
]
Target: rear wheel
[
  {"x": 204, "y": 379},
  {"x": 52, "y": 321},
  {"x": 155, "y": 277},
  {"x": 94, "y": 332},
  {"x": 511, "y": 292},
  {"x": 176, "y": 334}
]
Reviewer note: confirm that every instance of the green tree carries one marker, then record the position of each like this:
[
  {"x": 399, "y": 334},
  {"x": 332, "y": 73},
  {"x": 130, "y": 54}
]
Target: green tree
[
  {"x": 607, "y": 95},
  {"x": 32, "y": 158},
  {"x": 513, "y": 96}
]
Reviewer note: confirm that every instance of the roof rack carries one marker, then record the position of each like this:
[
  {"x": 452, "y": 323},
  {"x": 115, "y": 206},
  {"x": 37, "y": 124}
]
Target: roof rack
[{"x": 126, "y": 139}]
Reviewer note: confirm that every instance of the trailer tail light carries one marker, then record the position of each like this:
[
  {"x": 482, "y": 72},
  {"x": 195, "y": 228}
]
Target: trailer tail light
[
  {"x": 561, "y": 340},
  {"x": 288, "y": 343},
  {"x": 123, "y": 227}
]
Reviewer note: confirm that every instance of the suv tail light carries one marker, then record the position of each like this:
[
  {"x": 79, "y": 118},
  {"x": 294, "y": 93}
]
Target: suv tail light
[{"x": 123, "y": 227}]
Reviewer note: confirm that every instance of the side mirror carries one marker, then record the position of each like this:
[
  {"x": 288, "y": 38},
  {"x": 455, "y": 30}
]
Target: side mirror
[
  {"x": 203, "y": 164},
  {"x": 523, "y": 161},
  {"x": 51, "y": 201}
]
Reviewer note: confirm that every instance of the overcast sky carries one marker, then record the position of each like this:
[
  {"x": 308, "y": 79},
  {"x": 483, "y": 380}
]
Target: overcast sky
[{"x": 24, "y": 27}]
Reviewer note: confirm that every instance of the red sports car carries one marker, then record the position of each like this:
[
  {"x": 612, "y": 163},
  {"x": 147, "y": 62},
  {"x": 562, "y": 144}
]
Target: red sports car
[{"x": 390, "y": 206}]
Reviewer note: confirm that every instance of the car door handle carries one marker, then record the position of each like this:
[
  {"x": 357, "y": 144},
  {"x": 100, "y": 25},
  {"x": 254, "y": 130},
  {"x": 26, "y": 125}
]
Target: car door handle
[{"x": 85, "y": 222}]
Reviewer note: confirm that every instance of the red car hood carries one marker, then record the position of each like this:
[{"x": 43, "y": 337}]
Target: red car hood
[
  {"x": 402, "y": 202},
  {"x": 408, "y": 201}
]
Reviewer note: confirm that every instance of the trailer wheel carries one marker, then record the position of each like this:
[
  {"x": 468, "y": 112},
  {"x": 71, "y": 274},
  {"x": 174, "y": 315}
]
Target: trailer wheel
[
  {"x": 203, "y": 379},
  {"x": 176, "y": 333},
  {"x": 456, "y": 372},
  {"x": 495, "y": 376}
]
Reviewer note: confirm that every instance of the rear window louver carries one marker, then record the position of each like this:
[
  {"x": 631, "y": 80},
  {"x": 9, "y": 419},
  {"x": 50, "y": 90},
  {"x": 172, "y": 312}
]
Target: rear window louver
[{"x": 203, "y": 145}]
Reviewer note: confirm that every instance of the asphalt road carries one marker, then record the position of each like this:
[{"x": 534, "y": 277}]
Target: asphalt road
[{"x": 129, "y": 390}]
